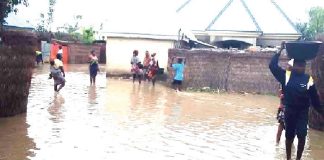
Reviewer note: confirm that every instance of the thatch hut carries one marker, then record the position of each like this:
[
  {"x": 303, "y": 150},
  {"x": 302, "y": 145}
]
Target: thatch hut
[
  {"x": 17, "y": 59},
  {"x": 315, "y": 120}
]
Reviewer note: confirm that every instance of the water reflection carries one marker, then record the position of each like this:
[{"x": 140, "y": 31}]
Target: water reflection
[
  {"x": 15, "y": 142},
  {"x": 92, "y": 95},
  {"x": 56, "y": 108}
]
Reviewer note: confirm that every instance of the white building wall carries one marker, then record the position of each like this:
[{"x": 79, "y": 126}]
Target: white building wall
[{"x": 120, "y": 50}]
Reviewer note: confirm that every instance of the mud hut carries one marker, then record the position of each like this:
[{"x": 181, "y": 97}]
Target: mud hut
[
  {"x": 315, "y": 120},
  {"x": 17, "y": 59}
]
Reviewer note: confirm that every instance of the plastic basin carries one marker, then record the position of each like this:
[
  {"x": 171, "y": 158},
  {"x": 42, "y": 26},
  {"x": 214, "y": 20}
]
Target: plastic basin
[{"x": 302, "y": 50}]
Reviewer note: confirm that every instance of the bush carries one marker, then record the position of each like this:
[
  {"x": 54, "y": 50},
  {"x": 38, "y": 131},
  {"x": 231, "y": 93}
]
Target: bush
[{"x": 17, "y": 59}]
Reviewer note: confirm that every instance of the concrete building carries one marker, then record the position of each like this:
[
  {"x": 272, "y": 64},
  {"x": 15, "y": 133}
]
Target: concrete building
[
  {"x": 154, "y": 33},
  {"x": 237, "y": 23},
  {"x": 120, "y": 47}
]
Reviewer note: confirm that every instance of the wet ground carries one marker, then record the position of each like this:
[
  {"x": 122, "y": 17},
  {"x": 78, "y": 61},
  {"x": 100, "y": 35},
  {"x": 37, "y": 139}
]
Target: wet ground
[{"x": 119, "y": 120}]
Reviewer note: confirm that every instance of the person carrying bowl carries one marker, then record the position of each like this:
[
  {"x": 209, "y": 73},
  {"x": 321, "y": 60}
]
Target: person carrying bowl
[{"x": 299, "y": 92}]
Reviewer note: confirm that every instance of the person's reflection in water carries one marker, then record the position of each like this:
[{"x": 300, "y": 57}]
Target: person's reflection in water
[
  {"x": 56, "y": 108},
  {"x": 134, "y": 96},
  {"x": 92, "y": 95}
]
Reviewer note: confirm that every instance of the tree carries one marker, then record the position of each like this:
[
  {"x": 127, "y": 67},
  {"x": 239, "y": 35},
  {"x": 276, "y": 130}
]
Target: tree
[
  {"x": 41, "y": 27},
  {"x": 50, "y": 13},
  {"x": 88, "y": 35},
  {"x": 303, "y": 30},
  {"x": 71, "y": 30},
  {"x": 8, "y": 6},
  {"x": 314, "y": 26},
  {"x": 316, "y": 21},
  {"x": 45, "y": 22}
]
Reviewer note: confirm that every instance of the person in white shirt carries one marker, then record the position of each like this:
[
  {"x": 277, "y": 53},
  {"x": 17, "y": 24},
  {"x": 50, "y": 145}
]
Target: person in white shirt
[
  {"x": 59, "y": 64},
  {"x": 135, "y": 70},
  {"x": 60, "y": 51}
]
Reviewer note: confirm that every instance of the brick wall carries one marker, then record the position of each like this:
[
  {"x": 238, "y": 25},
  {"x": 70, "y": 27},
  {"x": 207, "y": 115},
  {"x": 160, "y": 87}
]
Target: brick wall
[
  {"x": 229, "y": 71},
  {"x": 79, "y": 53}
]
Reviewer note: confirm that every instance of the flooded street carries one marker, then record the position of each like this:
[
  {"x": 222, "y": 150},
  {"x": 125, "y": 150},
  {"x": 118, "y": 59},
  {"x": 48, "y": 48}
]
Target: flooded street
[{"x": 119, "y": 120}]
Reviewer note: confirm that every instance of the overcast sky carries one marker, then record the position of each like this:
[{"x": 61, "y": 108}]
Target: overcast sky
[{"x": 128, "y": 12}]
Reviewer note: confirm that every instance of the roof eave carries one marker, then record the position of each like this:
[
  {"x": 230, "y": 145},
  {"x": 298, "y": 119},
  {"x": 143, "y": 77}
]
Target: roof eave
[
  {"x": 234, "y": 33},
  {"x": 139, "y": 36},
  {"x": 282, "y": 36}
]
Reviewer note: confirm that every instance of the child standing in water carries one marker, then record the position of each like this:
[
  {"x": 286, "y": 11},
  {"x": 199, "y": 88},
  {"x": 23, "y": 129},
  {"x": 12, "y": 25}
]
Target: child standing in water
[
  {"x": 56, "y": 74},
  {"x": 280, "y": 117},
  {"x": 134, "y": 62},
  {"x": 153, "y": 69},
  {"x": 140, "y": 72},
  {"x": 178, "y": 73}
]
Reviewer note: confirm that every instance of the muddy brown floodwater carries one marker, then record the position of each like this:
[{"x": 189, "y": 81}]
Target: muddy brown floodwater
[{"x": 119, "y": 120}]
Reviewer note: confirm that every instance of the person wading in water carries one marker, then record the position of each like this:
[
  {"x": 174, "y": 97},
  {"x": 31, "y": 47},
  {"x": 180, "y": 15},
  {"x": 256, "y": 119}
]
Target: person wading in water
[
  {"x": 299, "y": 90},
  {"x": 93, "y": 67}
]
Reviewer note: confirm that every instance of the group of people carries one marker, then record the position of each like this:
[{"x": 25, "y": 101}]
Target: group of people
[
  {"x": 146, "y": 71},
  {"x": 297, "y": 94},
  {"x": 150, "y": 68},
  {"x": 58, "y": 74},
  {"x": 57, "y": 71}
]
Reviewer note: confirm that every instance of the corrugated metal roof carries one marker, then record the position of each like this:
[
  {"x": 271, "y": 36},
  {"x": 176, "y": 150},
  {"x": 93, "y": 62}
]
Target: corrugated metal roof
[
  {"x": 269, "y": 17},
  {"x": 198, "y": 14},
  {"x": 236, "y": 15}
]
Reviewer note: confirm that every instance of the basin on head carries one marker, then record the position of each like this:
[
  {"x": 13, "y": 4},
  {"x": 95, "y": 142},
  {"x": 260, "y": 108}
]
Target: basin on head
[{"x": 302, "y": 50}]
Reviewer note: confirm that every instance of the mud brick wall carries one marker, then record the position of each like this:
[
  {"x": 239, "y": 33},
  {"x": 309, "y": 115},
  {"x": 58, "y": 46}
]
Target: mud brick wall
[
  {"x": 229, "y": 71},
  {"x": 250, "y": 73},
  {"x": 79, "y": 53},
  {"x": 206, "y": 70}
]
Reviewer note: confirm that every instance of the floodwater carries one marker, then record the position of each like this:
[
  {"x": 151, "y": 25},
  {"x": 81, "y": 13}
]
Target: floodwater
[{"x": 119, "y": 120}]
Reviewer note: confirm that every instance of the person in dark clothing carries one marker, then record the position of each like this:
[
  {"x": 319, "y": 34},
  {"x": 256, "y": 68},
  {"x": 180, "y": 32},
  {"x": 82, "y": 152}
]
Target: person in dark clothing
[
  {"x": 281, "y": 108},
  {"x": 299, "y": 92},
  {"x": 93, "y": 67},
  {"x": 39, "y": 57}
]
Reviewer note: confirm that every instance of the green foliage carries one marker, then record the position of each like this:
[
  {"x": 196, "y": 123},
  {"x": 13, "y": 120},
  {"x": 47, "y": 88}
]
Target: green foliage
[
  {"x": 315, "y": 26},
  {"x": 316, "y": 21},
  {"x": 303, "y": 30},
  {"x": 70, "y": 31},
  {"x": 88, "y": 35}
]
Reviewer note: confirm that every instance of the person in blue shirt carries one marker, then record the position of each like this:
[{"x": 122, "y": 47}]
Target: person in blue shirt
[
  {"x": 299, "y": 92},
  {"x": 178, "y": 74}
]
